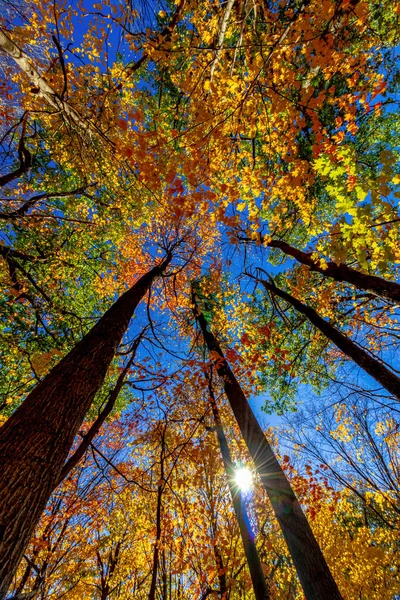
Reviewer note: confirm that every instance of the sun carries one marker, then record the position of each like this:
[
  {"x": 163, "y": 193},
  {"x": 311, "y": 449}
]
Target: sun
[{"x": 243, "y": 479}]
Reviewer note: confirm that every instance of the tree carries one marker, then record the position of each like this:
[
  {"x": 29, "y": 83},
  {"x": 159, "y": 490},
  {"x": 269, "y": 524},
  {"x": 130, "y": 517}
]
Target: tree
[
  {"x": 339, "y": 272},
  {"x": 253, "y": 560},
  {"x": 354, "y": 445},
  {"x": 33, "y": 453},
  {"x": 341, "y": 526},
  {"x": 372, "y": 366},
  {"x": 310, "y": 564}
]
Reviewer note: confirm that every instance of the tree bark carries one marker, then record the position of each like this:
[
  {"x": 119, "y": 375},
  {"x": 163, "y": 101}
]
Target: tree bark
[
  {"x": 372, "y": 366},
  {"x": 310, "y": 564},
  {"x": 160, "y": 490},
  {"x": 389, "y": 290},
  {"x": 260, "y": 587},
  {"x": 35, "y": 441},
  {"x": 96, "y": 426}
]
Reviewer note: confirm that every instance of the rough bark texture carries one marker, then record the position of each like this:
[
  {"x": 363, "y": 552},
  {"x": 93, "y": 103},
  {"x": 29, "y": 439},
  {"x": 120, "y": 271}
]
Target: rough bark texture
[
  {"x": 311, "y": 567},
  {"x": 372, "y": 366},
  {"x": 341, "y": 272},
  {"x": 260, "y": 586},
  {"x": 35, "y": 441},
  {"x": 96, "y": 426}
]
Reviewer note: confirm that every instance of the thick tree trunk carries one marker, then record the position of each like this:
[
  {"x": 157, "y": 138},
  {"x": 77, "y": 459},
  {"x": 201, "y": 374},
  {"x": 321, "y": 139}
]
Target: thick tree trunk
[
  {"x": 96, "y": 426},
  {"x": 260, "y": 586},
  {"x": 372, "y": 366},
  {"x": 341, "y": 272},
  {"x": 311, "y": 567},
  {"x": 35, "y": 441}
]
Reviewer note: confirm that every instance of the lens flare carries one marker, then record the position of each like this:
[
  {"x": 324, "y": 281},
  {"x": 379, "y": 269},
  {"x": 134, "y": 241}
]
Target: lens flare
[{"x": 243, "y": 478}]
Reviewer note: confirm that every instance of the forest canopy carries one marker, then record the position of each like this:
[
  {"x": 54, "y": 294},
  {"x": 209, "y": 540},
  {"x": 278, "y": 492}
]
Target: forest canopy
[{"x": 199, "y": 257}]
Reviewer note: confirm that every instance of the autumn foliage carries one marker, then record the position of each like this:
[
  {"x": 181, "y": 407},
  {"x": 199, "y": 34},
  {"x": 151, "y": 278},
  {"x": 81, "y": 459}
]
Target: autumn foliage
[{"x": 172, "y": 173}]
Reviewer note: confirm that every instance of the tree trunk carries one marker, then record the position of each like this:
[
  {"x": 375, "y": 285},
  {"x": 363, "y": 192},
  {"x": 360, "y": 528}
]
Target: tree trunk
[
  {"x": 372, "y": 366},
  {"x": 160, "y": 490},
  {"x": 35, "y": 441},
  {"x": 97, "y": 424},
  {"x": 156, "y": 553},
  {"x": 341, "y": 272},
  {"x": 260, "y": 586},
  {"x": 219, "y": 563},
  {"x": 223, "y": 588},
  {"x": 311, "y": 567}
]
